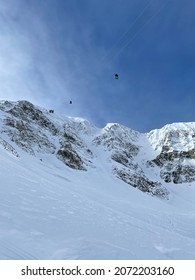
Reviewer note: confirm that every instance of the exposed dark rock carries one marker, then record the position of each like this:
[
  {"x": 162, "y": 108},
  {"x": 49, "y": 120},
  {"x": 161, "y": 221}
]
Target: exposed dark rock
[
  {"x": 36, "y": 131},
  {"x": 178, "y": 174},
  {"x": 126, "y": 161},
  {"x": 70, "y": 157},
  {"x": 8, "y": 147},
  {"x": 69, "y": 138},
  {"x": 173, "y": 168},
  {"x": 27, "y": 137},
  {"x": 112, "y": 142},
  {"x": 26, "y": 111},
  {"x": 141, "y": 182},
  {"x": 171, "y": 156}
]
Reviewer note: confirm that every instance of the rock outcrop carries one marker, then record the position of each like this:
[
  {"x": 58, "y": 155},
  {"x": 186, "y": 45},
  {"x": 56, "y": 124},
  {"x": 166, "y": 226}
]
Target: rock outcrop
[{"x": 148, "y": 162}]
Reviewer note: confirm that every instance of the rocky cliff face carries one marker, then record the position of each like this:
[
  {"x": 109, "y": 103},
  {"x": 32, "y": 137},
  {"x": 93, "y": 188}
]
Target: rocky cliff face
[
  {"x": 176, "y": 152},
  {"x": 149, "y": 162}
]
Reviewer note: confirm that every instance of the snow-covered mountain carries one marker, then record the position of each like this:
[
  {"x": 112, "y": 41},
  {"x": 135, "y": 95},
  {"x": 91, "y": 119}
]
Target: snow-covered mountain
[{"x": 71, "y": 190}]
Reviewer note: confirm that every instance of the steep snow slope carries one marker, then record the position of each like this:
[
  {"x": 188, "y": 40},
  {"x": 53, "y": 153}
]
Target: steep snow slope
[
  {"x": 66, "y": 189},
  {"x": 77, "y": 143},
  {"x": 48, "y": 211}
]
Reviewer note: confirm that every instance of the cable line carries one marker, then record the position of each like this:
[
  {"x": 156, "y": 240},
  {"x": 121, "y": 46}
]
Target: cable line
[
  {"x": 139, "y": 30},
  {"x": 130, "y": 35},
  {"x": 128, "y": 30}
]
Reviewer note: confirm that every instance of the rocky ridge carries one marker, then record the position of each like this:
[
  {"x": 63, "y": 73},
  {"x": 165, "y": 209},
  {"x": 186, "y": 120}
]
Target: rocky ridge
[{"x": 149, "y": 162}]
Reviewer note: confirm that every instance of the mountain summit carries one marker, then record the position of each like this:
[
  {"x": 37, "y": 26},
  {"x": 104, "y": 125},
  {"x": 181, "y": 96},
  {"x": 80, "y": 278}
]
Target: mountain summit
[
  {"x": 70, "y": 190},
  {"x": 148, "y": 161}
]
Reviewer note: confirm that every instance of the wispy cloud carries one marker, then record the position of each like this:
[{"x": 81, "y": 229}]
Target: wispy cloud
[
  {"x": 43, "y": 59},
  {"x": 55, "y": 51}
]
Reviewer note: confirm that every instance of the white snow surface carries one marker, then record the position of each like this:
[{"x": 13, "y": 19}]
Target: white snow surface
[
  {"x": 179, "y": 135},
  {"x": 50, "y": 211}
]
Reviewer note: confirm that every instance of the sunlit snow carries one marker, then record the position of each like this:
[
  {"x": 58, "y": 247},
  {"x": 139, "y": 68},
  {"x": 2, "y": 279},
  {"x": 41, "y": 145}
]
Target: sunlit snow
[{"x": 48, "y": 211}]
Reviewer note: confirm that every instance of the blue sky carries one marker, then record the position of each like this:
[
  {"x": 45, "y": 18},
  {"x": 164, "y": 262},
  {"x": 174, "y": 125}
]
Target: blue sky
[{"x": 53, "y": 51}]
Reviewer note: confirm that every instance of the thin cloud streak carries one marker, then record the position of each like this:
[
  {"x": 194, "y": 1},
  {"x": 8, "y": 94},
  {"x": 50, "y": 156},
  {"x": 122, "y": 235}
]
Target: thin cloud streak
[{"x": 53, "y": 51}]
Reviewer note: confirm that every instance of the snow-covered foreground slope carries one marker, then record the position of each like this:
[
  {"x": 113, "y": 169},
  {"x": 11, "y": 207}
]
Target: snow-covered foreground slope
[
  {"x": 49, "y": 211},
  {"x": 69, "y": 190}
]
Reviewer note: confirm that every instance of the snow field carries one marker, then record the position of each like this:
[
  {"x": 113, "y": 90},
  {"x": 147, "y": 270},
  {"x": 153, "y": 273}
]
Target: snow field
[{"x": 48, "y": 211}]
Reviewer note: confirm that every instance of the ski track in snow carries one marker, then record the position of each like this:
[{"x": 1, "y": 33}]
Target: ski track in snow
[{"x": 48, "y": 211}]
